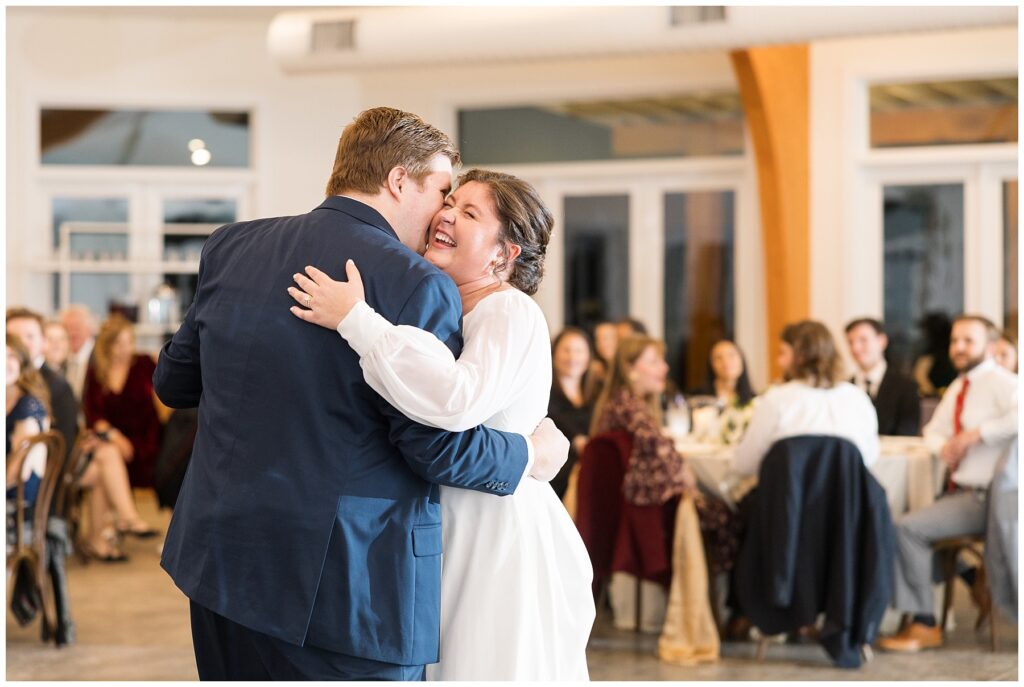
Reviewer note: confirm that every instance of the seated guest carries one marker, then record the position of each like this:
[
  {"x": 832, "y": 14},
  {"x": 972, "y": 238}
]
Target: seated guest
[
  {"x": 28, "y": 327},
  {"x": 894, "y": 395},
  {"x": 119, "y": 401},
  {"x": 606, "y": 338},
  {"x": 726, "y": 378},
  {"x": 27, "y": 415},
  {"x": 629, "y": 326},
  {"x": 973, "y": 425},
  {"x": 572, "y": 402},
  {"x": 630, "y": 401},
  {"x": 58, "y": 346},
  {"x": 80, "y": 325},
  {"x": 813, "y": 400},
  {"x": 933, "y": 370},
  {"x": 1006, "y": 353}
]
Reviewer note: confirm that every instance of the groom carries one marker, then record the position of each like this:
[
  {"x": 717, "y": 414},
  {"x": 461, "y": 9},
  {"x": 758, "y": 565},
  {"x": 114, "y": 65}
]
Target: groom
[{"x": 307, "y": 535}]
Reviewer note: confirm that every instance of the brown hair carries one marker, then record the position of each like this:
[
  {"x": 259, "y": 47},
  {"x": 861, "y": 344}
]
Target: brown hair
[
  {"x": 815, "y": 358},
  {"x": 24, "y": 314},
  {"x": 587, "y": 386},
  {"x": 626, "y": 355},
  {"x": 29, "y": 380},
  {"x": 525, "y": 221},
  {"x": 109, "y": 331},
  {"x": 991, "y": 331},
  {"x": 380, "y": 139}
]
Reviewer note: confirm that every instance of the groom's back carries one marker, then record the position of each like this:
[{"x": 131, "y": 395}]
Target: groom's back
[{"x": 289, "y": 433}]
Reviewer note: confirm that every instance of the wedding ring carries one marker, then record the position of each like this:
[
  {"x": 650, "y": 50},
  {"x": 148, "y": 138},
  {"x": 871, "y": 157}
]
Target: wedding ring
[{"x": 307, "y": 301}]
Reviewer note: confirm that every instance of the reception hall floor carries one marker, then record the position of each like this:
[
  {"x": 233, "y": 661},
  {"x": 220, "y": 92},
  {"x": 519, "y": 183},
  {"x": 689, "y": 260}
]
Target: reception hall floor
[{"x": 133, "y": 625}]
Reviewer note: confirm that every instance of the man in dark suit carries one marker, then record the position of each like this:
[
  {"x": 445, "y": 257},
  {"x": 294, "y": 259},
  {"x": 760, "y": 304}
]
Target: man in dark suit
[
  {"x": 894, "y": 395},
  {"x": 27, "y": 325},
  {"x": 307, "y": 533}
]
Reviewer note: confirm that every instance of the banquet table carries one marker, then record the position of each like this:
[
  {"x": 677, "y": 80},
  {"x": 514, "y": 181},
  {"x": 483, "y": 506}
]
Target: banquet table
[{"x": 906, "y": 469}]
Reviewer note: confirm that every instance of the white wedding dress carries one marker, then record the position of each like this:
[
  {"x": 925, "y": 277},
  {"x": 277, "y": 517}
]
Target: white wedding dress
[{"x": 516, "y": 600}]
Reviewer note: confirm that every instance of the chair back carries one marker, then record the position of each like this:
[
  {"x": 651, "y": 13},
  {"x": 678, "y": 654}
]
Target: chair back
[
  {"x": 599, "y": 496},
  {"x": 820, "y": 540},
  {"x": 27, "y": 553}
]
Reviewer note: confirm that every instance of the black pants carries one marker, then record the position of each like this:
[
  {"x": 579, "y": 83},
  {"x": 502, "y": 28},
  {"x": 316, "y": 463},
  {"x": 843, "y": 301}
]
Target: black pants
[{"x": 226, "y": 650}]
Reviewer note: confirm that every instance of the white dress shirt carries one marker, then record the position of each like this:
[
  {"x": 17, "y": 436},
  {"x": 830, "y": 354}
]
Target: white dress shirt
[
  {"x": 874, "y": 377},
  {"x": 77, "y": 365},
  {"x": 796, "y": 408},
  {"x": 989, "y": 406}
]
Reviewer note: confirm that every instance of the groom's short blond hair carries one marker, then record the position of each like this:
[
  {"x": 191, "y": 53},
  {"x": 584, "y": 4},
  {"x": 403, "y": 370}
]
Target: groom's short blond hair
[{"x": 380, "y": 139}]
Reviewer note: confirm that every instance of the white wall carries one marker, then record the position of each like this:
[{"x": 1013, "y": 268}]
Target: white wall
[{"x": 183, "y": 57}]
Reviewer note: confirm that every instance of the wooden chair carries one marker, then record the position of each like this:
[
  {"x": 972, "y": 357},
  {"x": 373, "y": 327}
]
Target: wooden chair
[
  {"x": 949, "y": 551},
  {"x": 28, "y": 547},
  {"x": 69, "y": 493}
]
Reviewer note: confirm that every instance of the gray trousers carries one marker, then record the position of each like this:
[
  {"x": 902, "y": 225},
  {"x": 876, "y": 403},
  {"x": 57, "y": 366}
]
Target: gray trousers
[{"x": 954, "y": 515}]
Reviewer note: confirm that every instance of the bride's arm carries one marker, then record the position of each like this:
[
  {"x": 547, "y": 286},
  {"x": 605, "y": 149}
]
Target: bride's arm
[{"x": 417, "y": 373}]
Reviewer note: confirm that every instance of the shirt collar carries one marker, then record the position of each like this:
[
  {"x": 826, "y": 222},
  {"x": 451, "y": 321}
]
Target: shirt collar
[
  {"x": 875, "y": 375},
  {"x": 359, "y": 210},
  {"x": 983, "y": 368}
]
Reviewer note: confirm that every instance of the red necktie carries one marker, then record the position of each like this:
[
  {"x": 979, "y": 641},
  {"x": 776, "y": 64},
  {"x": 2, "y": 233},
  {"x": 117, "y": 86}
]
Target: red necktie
[{"x": 957, "y": 427}]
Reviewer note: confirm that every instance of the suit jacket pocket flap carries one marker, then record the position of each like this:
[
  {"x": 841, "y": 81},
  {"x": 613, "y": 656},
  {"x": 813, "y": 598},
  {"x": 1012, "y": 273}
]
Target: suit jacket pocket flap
[{"x": 426, "y": 540}]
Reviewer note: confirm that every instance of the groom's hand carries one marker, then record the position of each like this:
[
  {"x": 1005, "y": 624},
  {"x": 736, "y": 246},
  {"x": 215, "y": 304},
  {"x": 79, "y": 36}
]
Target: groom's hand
[{"x": 550, "y": 451}]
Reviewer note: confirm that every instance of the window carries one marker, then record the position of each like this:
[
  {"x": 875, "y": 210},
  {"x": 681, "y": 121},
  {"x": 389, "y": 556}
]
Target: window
[
  {"x": 924, "y": 273},
  {"x": 944, "y": 113},
  {"x": 699, "y": 293},
  {"x": 1010, "y": 228},
  {"x": 172, "y": 138},
  {"x": 596, "y": 259},
  {"x": 640, "y": 128}
]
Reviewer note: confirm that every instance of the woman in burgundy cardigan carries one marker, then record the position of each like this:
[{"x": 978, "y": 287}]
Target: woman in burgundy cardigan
[
  {"x": 119, "y": 403},
  {"x": 630, "y": 400}
]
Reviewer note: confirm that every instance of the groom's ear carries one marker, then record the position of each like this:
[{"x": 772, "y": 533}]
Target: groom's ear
[{"x": 398, "y": 177}]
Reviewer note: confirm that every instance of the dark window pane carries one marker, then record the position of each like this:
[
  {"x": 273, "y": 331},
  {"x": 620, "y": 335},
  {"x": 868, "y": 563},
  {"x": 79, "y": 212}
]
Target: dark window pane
[
  {"x": 177, "y": 138},
  {"x": 699, "y": 279},
  {"x": 108, "y": 210},
  {"x": 189, "y": 221},
  {"x": 944, "y": 113},
  {"x": 596, "y": 259},
  {"x": 924, "y": 276},
  {"x": 1010, "y": 228},
  {"x": 668, "y": 126},
  {"x": 101, "y": 292},
  {"x": 199, "y": 210}
]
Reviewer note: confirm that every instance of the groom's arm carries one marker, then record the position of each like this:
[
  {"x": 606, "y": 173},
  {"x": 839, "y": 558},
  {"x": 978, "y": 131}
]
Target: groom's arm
[{"x": 482, "y": 459}]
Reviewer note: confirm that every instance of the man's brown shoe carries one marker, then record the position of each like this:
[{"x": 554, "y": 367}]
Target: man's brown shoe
[{"x": 913, "y": 638}]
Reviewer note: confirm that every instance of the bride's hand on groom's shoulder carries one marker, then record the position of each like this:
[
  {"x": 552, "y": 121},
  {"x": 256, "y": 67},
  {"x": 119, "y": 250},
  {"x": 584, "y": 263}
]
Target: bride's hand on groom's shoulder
[
  {"x": 324, "y": 301},
  {"x": 550, "y": 451}
]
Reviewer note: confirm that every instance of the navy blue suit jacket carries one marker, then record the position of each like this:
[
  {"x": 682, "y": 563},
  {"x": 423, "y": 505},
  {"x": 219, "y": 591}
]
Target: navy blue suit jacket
[{"x": 310, "y": 509}]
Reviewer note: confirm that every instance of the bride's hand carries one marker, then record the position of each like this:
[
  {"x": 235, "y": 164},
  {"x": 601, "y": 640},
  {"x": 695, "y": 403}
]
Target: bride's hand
[{"x": 326, "y": 302}]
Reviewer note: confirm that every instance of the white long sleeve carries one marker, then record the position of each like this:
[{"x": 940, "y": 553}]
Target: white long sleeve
[
  {"x": 795, "y": 409},
  {"x": 417, "y": 373},
  {"x": 990, "y": 405}
]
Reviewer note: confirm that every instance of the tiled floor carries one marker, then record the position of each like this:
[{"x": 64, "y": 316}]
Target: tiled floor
[{"x": 133, "y": 625}]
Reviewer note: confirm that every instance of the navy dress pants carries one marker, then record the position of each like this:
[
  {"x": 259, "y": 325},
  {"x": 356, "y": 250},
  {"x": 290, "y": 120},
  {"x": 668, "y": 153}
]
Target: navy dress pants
[{"x": 226, "y": 650}]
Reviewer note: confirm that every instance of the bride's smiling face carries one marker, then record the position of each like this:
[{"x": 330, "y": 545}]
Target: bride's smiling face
[{"x": 463, "y": 239}]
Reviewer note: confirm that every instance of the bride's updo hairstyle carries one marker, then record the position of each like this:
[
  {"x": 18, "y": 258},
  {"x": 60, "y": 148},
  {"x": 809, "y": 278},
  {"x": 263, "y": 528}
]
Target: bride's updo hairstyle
[{"x": 525, "y": 221}]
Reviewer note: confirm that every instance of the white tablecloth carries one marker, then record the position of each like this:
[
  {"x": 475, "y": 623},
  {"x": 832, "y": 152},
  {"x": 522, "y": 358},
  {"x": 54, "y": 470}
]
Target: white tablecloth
[{"x": 906, "y": 469}]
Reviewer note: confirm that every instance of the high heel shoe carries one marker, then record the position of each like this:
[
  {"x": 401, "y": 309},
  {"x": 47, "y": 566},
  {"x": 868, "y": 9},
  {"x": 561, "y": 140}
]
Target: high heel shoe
[
  {"x": 110, "y": 556},
  {"x": 140, "y": 530}
]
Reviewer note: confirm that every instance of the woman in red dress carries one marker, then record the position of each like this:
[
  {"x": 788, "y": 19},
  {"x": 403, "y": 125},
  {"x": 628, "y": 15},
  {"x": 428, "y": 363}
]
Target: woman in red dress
[{"x": 118, "y": 400}]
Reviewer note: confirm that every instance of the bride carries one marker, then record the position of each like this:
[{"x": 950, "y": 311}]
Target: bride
[{"x": 516, "y": 600}]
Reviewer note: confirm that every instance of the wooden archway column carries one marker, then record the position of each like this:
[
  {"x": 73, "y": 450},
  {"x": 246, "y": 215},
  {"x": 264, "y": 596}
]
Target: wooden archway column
[{"x": 774, "y": 87}]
